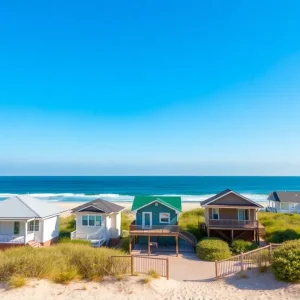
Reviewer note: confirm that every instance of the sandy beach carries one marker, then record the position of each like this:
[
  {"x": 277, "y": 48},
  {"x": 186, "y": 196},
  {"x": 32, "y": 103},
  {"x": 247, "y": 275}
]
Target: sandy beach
[{"x": 258, "y": 286}]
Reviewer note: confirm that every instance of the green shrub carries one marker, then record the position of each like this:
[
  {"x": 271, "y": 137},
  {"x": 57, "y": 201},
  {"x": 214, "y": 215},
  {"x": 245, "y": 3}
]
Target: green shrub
[
  {"x": 124, "y": 243},
  {"x": 189, "y": 221},
  {"x": 286, "y": 262},
  {"x": 126, "y": 220},
  {"x": 212, "y": 249},
  {"x": 239, "y": 246},
  {"x": 66, "y": 226}
]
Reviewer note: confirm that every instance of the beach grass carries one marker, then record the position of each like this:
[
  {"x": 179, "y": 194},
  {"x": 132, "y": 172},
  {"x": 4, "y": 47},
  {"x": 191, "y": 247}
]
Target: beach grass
[
  {"x": 61, "y": 263},
  {"x": 66, "y": 226},
  {"x": 280, "y": 227},
  {"x": 189, "y": 220},
  {"x": 126, "y": 220}
]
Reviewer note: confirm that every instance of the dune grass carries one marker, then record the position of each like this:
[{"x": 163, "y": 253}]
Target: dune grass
[
  {"x": 280, "y": 227},
  {"x": 16, "y": 282},
  {"x": 189, "y": 220},
  {"x": 66, "y": 226},
  {"x": 61, "y": 263},
  {"x": 126, "y": 219}
]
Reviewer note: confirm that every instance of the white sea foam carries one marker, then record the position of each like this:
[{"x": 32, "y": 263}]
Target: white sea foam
[{"x": 117, "y": 197}]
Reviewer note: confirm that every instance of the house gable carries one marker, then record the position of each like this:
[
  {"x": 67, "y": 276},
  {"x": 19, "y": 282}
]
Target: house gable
[
  {"x": 230, "y": 198},
  {"x": 156, "y": 208}
]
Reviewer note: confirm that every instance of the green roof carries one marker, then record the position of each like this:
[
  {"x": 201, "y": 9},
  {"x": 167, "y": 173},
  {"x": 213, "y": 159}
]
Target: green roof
[{"x": 171, "y": 201}]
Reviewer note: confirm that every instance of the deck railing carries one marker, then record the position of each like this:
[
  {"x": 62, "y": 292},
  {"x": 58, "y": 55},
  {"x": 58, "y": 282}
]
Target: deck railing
[
  {"x": 234, "y": 223},
  {"x": 12, "y": 239},
  {"x": 155, "y": 228},
  {"x": 260, "y": 257}
]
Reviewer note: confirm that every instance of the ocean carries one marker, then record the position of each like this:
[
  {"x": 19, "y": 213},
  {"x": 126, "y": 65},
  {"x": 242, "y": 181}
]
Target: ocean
[{"x": 124, "y": 188}]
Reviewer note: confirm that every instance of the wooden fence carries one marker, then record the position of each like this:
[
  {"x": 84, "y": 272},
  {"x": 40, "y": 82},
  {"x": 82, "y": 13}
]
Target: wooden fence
[
  {"x": 140, "y": 264},
  {"x": 260, "y": 257}
]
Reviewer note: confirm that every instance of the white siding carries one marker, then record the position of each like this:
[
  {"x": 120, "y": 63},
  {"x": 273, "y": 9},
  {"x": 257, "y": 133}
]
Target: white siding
[
  {"x": 118, "y": 224},
  {"x": 7, "y": 227},
  {"x": 87, "y": 229},
  {"x": 50, "y": 229}
]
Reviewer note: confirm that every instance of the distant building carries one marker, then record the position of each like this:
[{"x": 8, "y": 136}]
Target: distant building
[{"x": 285, "y": 202}]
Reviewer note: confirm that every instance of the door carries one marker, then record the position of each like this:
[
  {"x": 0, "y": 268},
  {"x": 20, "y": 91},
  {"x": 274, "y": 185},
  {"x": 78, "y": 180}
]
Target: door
[
  {"x": 147, "y": 220},
  {"x": 243, "y": 214},
  {"x": 17, "y": 228}
]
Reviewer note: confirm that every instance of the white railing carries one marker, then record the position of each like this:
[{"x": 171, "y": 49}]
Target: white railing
[
  {"x": 100, "y": 234},
  {"x": 13, "y": 239},
  {"x": 30, "y": 236}
]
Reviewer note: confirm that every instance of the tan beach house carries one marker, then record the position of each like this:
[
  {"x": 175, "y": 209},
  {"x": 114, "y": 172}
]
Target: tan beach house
[
  {"x": 231, "y": 216},
  {"x": 98, "y": 221},
  {"x": 25, "y": 220}
]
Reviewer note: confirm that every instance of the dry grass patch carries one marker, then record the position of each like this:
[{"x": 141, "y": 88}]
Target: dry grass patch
[
  {"x": 17, "y": 281},
  {"x": 153, "y": 274},
  {"x": 146, "y": 280}
]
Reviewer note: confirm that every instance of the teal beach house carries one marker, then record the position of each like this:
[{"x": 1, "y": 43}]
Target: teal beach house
[{"x": 156, "y": 224}]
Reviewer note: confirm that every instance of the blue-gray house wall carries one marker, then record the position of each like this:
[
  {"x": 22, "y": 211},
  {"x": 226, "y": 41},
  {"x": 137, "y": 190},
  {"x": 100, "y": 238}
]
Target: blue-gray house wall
[{"x": 156, "y": 210}]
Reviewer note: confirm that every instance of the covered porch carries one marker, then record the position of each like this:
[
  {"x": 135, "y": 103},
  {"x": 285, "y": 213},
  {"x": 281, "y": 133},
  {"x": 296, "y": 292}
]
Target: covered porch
[{"x": 18, "y": 231}]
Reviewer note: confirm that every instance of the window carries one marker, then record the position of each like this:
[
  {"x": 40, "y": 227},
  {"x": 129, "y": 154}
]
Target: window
[
  {"x": 243, "y": 214},
  {"x": 16, "y": 227},
  {"x": 34, "y": 225},
  {"x": 215, "y": 214},
  {"x": 284, "y": 206},
  {"x": 164, "y": 218},
  {"x": 98, "y": 220},
  {"x": 91, "y": 220}
]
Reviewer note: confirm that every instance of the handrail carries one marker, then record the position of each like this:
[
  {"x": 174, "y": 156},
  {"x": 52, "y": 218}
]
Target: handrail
[
  {"x": 155, "y": 228},
  {"x": 233, "y": 223}
]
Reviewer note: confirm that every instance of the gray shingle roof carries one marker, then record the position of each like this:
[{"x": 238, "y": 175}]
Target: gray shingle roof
[
  {"x": 216, "y": 196},
  {"x": 290, "y": 197},
  {"x": 27, "y": 207},
  {"x": 105, "y": 206}
]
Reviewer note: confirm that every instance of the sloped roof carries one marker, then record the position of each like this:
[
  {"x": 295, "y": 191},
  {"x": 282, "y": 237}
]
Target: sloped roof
[
  {"x": 27, "y": 207},
  {"x": 211, "y": 200},
  {"x": 173, "y": 202},
  {"x": 100, "y": 204},
  {"x": 288, "y": 197}
]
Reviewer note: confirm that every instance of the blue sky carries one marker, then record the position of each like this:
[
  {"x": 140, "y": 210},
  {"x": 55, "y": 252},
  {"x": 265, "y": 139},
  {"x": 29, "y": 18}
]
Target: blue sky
[{"x": 150, "y": 88}]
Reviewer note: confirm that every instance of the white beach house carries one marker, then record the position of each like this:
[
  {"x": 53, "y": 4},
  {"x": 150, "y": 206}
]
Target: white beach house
[
  {"x": 27, "y": 220},
  {"x": 98, "y": 221},
  {"x": 285, "y": 202}
]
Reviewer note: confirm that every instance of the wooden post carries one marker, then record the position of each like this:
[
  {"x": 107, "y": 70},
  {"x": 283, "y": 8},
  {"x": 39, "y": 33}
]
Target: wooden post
[
  {"x": 216, "y": 268},
  {"x": 130, "y": 247},
  {"x": 232, "y": 235},
  {"x": 270, "y": 252},
  {"x": 176, "y": 239},
  {"x": 132, "y": 266},
  {"x": 167, "y": 268},
  {"x": 149, "y": 252},
  {"x": 242, "y": 261},
  {"x": 208, "y": 232}
]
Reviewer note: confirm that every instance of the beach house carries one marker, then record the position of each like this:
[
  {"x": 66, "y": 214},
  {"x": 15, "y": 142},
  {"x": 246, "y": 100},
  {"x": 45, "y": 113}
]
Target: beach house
[
  {"x": 231, "y": 216},
  {"x": 284, "y": 202},
  {"x": 156, "y": 225},
  {"x": 25, "y": 220},
  {"x": 98, "y": 221}
]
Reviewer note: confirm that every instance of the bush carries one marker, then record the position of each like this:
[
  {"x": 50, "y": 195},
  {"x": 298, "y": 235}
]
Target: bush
[
  {"x": 68, "y": 240},
  {"x": 286, "y": 262},
  {"x": 66, "y": 226},
  {"x": 189, "y": 221},
  {"x": 61, "y": 263},
  {"x": 239, "y": 246},
  {"x": 126, "y": 220},
  {"x": 124, "y": 243},
  {"x": 212, "y": 249}
]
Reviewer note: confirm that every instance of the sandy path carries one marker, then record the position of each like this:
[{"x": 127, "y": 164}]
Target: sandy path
[{"x": 259, "y": 286}]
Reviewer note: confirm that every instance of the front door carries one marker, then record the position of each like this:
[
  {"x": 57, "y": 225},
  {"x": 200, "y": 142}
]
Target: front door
[
  {"x": 147, "y": 220},
  {"x": 16, "y": 228}
]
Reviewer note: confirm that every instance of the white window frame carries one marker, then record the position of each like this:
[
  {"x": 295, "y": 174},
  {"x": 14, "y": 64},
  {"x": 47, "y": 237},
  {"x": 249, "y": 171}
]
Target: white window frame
[
  {"x": 88, "y": 220},
  {"x": 217, "y": 210},
  {"x": 34, "y": 226},
  {"x": 160, "y": 217}
]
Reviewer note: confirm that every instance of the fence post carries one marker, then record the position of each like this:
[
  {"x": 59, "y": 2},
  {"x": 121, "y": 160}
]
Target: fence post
[
  {"x": 132, "y": 266},
  {"x": 167, "y": 268},
  {"x": 216, "y": 268},
  {"x": 270, "y": 252},
  {"x": 242, "y": 261}
]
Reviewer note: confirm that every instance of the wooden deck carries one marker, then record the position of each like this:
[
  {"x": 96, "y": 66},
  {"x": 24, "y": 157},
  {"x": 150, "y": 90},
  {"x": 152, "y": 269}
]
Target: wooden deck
[{"x": 234, "y": 224}]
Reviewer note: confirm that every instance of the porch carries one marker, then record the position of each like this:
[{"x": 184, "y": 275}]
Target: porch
[{"x": 17, "y": 232}]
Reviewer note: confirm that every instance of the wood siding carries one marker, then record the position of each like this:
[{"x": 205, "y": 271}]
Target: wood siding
[{"x": 232, "y": 199}]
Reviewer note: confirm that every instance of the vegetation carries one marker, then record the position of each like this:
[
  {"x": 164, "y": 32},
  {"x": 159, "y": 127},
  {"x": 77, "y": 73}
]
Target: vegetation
[
  {"x": 280, "y": 227},
  {"x": 126, "y": 220},
  {"x": 286, "y": 262},
  {"x": 66, "y": 226},
  {"x": 146, "y": 280},
  {"x": 239, "y": 246},
  {"x": 61, "y": 263},
  {"x": 189, "y": 220},
  {"x": 16, "y": 282},
  {"x": 153, "y": 274},
  {"x": 68, "y": 240},
  {"x": 212, "y": 249},
  {"x": 124, "y": 243}
]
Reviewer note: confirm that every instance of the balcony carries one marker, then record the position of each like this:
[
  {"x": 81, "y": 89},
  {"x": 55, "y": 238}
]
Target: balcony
[
  {"x": 225, "y": 223},
  {"x": 154, "y": 229}
]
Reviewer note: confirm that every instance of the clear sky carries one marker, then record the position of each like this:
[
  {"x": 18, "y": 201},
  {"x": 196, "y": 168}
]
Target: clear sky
[{"x": 150, "y": 87}]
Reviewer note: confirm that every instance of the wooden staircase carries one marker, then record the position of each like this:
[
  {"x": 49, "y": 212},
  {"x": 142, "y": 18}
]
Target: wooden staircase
[
  {"x": 188, "y": 237},
  {"x": 34, "y": 244}
]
